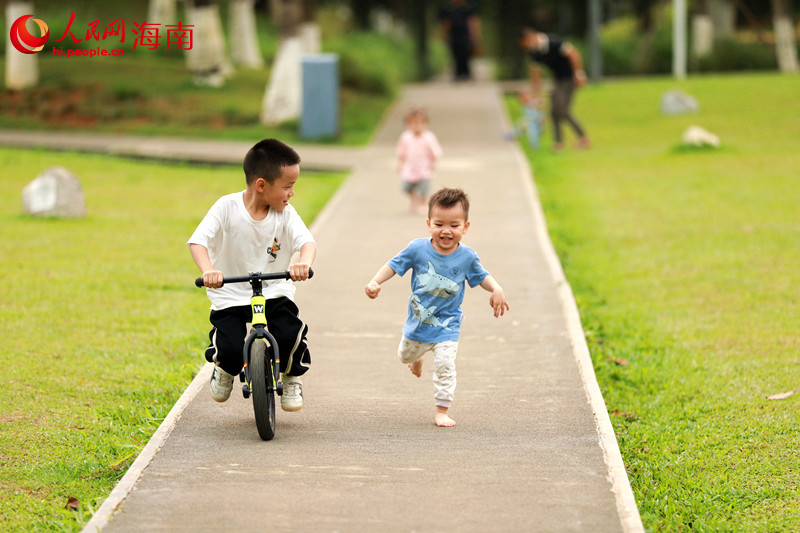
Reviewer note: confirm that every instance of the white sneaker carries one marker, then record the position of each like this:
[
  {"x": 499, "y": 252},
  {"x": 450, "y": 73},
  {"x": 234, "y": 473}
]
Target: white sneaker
[
  {"x": 221, "y": 384},
  {"x": 292, "y": 397}
]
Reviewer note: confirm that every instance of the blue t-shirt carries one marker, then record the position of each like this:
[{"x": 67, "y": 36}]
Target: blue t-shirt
[{"x": 437, "y": 289}]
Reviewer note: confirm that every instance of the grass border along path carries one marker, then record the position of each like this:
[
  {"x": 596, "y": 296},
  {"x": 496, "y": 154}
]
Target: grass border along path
[
  {"x": 684, "y": 263},
  {"x": 100, "y": 323}
]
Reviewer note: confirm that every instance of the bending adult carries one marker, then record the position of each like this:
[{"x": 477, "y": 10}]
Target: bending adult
[{"x": 566, "y": 65}]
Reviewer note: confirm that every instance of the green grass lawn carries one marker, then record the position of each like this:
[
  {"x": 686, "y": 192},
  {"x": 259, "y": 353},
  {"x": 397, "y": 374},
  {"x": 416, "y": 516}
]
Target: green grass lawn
[
  {"x": 100, "y": 322},
  {"x": 686, "y": 267}
]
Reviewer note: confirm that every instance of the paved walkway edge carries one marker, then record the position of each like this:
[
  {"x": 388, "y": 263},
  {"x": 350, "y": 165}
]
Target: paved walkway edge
[
  {"x": 617, "y": 474},
  {"x": 103, "y": 514},
  {"x": 126, "y": 484}
]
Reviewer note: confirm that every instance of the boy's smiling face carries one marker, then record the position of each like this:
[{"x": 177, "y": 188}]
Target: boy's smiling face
[
  {"x": 447, "y": 225},
  {"x": 278, "y": 193}
]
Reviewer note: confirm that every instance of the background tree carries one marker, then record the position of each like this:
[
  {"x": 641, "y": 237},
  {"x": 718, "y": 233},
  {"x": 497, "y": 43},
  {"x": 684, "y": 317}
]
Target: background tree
[
  {"x": 22, "y": 70},
  {"x": 161, "y": 11},
  {"x": 310, "y": 32},
  {"x": 702, "y": 29},
  {"x": 282, "y": 98},
  {"x": 785, "y": 42},
  {"x": 207, "y": 60},
  {"x": 723, "y": 17},
  {"x": 243, "y": 34},
  {"x": 419, "y": 22},
  {"x": 361, "y": 10}
]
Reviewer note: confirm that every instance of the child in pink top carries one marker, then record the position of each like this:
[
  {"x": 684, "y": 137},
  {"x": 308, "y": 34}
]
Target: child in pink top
[{"x": 417, "y": 152}]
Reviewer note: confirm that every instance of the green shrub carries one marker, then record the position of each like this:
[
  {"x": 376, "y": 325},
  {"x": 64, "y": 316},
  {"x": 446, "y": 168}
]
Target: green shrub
[
  {"x": 655, "y": 52},
  {"x": 373, "y": 63},
  {"x": 627, "y": 52},
  {"x": 619, "y": 42},
  {"x": 730, "y": 54}
]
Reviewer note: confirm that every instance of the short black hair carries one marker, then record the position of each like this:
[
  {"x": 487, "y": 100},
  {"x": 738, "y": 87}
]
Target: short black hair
[
  {"x": 447, "y": 198},
  {"x": 266, "y": 160}
]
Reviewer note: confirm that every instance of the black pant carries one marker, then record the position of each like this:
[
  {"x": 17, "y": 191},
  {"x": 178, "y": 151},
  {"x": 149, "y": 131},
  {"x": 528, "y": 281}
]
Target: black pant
[
  {"x": 230, "y": 331},
  {"x": 462, "y": 52},
  {"x": 560, "y": 109}
]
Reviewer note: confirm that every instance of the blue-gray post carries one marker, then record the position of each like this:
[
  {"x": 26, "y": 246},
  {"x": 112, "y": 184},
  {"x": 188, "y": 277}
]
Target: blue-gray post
[{"x": 320, "y": 115}]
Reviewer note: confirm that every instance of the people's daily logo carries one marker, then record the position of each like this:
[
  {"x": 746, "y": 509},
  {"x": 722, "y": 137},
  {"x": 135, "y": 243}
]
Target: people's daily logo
[
  {"x": 146, "y": 34},
  {"x": 23, "y": 40}
]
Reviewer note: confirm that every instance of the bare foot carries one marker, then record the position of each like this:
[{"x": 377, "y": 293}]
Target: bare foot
[
  {"x": 416, "y": 367},
  {"x": 442, "y": 419}
]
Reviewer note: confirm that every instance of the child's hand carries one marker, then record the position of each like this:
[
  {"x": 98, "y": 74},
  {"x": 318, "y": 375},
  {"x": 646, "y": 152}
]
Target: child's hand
[
  {"x": 212, "y": 279},
  {"x": 299, "y": 271},
  {"x": 498, "y": 302},
  {"x": 372, "y": 289}
]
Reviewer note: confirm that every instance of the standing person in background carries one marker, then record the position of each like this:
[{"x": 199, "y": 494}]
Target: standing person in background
[
  {"x": 566, "y": 64},
  {"x": 460, "y": 23},
  {"x": 417, "y": 152}
]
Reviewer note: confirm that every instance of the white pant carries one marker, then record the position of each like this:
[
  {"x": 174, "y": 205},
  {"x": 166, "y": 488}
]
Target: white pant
[{"x": 444, "y": 365}]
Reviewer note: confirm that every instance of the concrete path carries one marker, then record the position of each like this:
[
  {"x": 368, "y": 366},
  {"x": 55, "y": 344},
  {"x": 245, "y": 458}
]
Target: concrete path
[{"x": 533, "y": 449}]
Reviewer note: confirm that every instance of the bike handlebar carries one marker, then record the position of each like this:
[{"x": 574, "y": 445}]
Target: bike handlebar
[{"x": 255, "y": 276}]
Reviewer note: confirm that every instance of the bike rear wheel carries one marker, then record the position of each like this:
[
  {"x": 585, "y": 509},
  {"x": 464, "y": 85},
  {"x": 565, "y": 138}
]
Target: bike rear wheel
[{"x": 263, "y": 395}]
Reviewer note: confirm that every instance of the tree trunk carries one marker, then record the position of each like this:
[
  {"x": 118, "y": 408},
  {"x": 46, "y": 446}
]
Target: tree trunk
[
  {"x": 310, "y": 33},
  {"x": 22, "y": 70},
  {"x": 419, "y": 27},
  {"x": 283, "y": 96},
  {"x": 702, "y": 34},
  {"x": 723, "y": 17},
  {"x": 243, "y": 34},
  {"x": 206, "y": 60},
  {"x": 161, "y": 11},
  {"x": 361, "y": 13},
  {"x": 785, "y": 44},
  {"x": 509, "y": 18}
]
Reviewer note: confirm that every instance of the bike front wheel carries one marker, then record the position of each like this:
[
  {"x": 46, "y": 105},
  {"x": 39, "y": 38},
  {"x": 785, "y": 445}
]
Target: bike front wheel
[{"x": 263, "y": 395}]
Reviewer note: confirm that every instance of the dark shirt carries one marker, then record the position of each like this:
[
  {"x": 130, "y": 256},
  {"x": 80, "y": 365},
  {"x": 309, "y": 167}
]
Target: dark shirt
[
  {"x": 554, "y": 59},
  {"x": 458, "y": 17}
]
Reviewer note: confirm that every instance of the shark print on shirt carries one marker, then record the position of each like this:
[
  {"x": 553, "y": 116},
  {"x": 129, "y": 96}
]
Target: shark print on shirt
[
  {"x": 436, "y": 284},
  {"x": 426, "y": 315}
]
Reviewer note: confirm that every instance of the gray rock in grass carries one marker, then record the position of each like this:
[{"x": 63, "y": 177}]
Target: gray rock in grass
[
  {"x": 56, "y": 192},
  {"x": 677, "y": 102}
]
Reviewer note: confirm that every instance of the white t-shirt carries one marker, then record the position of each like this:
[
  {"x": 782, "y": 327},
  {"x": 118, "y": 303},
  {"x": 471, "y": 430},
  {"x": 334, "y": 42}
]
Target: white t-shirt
[{"x": 237, "y": 245}]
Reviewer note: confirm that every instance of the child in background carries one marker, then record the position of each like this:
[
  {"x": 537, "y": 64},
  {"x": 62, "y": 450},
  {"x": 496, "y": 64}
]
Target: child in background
[
  {"x": 531, "y": 123},
  {"x": 417, "y": 152},
  {"x": 440, "y": 268}
]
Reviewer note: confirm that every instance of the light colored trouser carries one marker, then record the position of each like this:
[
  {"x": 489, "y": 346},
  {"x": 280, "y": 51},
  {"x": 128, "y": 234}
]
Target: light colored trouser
[{"x": 444, "y": 365}]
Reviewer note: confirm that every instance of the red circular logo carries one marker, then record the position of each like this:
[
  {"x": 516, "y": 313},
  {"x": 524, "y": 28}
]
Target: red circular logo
[{"x": 22, "y": 39}]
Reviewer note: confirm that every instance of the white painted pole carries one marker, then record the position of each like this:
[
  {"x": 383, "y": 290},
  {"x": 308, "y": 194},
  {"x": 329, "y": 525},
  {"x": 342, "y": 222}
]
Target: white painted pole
[{"x": 679, "y": 39}]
